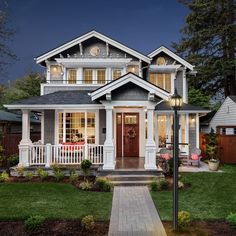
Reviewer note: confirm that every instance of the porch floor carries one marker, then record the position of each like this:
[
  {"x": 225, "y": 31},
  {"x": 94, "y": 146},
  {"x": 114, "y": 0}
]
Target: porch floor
[{"x": 130, "y": 163}]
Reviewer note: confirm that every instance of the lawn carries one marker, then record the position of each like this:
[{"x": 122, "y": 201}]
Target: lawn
[
  {"x": 52, "y": 200},
  {"x": 211, "y": 196}
]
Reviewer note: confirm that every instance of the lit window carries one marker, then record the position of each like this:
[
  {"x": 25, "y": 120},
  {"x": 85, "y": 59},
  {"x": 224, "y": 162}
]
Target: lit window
[
  {"x": 88, "y": 76},
  {"x": 72, "y": 128},
  {"x": 116, "y": 73},
  {"x": 101, "y": 76},
  {"x": 162, "y": 80},
  {"x": 55, "y": 72},
  {"x": 72, "y": 76},
  {"x": 130, "y": 119},
  {"x": 134, "y": 69},
  {"x": 161, "y": 61}
]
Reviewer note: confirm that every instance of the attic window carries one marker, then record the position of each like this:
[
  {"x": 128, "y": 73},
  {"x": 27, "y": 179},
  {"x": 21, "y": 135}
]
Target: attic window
[{"x": 161, "y": 61}]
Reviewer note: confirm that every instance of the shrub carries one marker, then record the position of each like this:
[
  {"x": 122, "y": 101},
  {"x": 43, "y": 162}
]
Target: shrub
[
  {"x": 29, "y": 175},
  {"x": 87, "y": 223},
  {"x": 34, "y": 222},
  {"x": 55, "y": 167},
  {"x": 4, "y": 177},
  {"x": 85, "y": 166},
  {"x": 86, "y": 185},
  {"x": 154, "y": 186},
  {"x": 13, "y": 160},
  {"x": 20, "y": 170},
  {"x": 231, "y": 219},
  {"x": 43, "y": 175},
  {"x": 73, "y": 176},
  {"x": 162, "y": 184},
  {"x": 183, "y": 219},
  {"x": 59, "y": 175},
  {"x": 104, "y": 184}
]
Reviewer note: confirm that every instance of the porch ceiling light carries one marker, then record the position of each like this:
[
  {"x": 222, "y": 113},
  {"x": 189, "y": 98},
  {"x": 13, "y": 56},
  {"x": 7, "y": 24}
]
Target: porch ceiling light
[{"x": 176, "y": 101}]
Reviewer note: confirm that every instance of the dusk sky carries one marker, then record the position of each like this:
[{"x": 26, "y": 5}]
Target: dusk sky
[{"x": 41, "y": 25}]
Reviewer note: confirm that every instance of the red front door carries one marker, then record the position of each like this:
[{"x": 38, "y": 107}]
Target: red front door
[{"x": 127, "y": 135}]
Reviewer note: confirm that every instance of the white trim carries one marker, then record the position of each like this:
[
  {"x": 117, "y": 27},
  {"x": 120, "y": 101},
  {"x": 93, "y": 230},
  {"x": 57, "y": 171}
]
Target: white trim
[
  {"x": 84, "y": 37},
  {"x": 126, "y": 79},
  {"x": 164, "y": 68},
  {"x": 184, "y": 86},
  {"x": 171, "y": 54},
  {"x": 187, "y": 131},
  {"x": 182, "y": 112},
  {"x": 197, "y": 130},
  {"x": 42, "y": 127}
]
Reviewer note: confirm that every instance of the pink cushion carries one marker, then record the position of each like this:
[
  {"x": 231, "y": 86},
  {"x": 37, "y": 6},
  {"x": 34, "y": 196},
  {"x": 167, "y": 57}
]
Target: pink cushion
[
  {"x": 166, "y": 156},
  {"x": 194, "y": 156}
]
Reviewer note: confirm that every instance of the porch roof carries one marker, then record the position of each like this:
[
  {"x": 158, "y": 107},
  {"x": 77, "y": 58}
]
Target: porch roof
[
  {"x": 165, "y": 107},
  {"x": 55, "y": 100}
]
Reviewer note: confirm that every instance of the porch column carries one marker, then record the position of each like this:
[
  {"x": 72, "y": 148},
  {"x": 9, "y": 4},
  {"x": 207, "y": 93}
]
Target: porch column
[
  {"x": 25, "y": 141},
  {"x": 109, "y": 149},
  {"x": 150, "y": 153}
]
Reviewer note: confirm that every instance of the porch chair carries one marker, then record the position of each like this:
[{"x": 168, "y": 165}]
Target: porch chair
[{"x": 194, "y": 157}]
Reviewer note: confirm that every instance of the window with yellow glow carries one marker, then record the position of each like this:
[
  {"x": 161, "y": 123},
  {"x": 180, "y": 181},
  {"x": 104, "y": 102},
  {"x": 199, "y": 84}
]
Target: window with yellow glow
[
  {"x": 162, "y": 80},
  {"x": 72, "y": 76},
  {"x": 55, "y": 72},
  {"x": 76, "y": 127},
  {"x": 133, "y": 68},
  {"x": 88, "y": 76},
  {"x": 116, "y": 73},
  {"x": 162, "y": 131},
  {"x": 101, "y": 76}
]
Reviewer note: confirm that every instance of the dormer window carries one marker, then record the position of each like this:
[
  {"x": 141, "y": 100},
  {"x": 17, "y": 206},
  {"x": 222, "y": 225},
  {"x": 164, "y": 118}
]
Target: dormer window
[
  {"x": 161, "y": 61},
  {"x": 133, "y": 68},
  {"x": 162, "y": 80}
]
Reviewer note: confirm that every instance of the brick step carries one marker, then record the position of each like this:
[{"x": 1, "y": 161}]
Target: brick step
[{"x": 131, "y": 183}]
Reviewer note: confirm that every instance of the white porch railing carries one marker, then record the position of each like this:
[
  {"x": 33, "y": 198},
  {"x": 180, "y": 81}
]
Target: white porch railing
[{"x": 64, "y": 154}]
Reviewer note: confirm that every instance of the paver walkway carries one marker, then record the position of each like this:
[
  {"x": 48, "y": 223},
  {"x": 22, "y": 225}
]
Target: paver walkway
[{"x": 134, "y": 213}]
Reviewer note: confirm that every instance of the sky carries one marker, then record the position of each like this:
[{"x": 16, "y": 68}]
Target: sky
[{"x": 41, "y": 25}]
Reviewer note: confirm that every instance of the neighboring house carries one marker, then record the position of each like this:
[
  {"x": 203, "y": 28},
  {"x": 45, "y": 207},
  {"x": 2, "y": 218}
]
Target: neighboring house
[
  {"x": 103, "y": 100},
  {"x": 11, "y": 130},
  {"x": 224, "y": 120}
]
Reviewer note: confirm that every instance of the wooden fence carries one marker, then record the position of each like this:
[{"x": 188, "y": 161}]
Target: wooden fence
[{"x": 227, "y": 148}]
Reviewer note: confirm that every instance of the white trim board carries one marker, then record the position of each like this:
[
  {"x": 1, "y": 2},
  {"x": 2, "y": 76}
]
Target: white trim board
[
  {"x": 126, "y": 79},
  {"x": 86, "y": 36},
  {"x": 171, "y": 54}
]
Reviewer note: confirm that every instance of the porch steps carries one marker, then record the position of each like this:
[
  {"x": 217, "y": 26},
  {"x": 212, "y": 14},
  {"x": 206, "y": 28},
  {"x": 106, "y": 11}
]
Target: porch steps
[{"x": 130, "y": 177}]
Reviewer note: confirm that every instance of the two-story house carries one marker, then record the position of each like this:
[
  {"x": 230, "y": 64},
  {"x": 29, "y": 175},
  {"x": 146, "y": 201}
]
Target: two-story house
[{"x": 103, "y": 100}]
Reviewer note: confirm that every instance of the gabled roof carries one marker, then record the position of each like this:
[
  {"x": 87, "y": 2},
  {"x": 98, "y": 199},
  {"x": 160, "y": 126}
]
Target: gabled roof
[
  {"x": 233, "y": 98},
  {"x": 127, "y": 78},
  {"x": 86, "y": 36},
  {"x": 171, "y": 54}
]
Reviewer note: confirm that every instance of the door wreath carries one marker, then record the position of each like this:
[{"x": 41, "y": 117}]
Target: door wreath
[{"x": 131, "y": 133}]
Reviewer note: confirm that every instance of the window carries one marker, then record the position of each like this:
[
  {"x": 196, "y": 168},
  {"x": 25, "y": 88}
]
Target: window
[
  {"x": 101, "y": 76},
  {"x": 55, "y": 72},
  {"x": 76, "y": 127},
  {"x": 134, "y": 69},
  {"x": 72, "y": 77},
  {"x": 130, "y": 119},
  {"x": 116, "y": 73},
  {"x": 88, "y": 76},
  {"x": 162, "y": 80},
  {"x": 162, "y": 129},
  {"x": 161, "y": 61}
]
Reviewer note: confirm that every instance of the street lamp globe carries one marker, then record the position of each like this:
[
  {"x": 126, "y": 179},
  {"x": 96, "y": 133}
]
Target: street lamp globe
[{"x": 176, "y": 101}]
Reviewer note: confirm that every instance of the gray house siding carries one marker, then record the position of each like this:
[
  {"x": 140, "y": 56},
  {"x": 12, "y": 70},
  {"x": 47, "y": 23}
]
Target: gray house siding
[
  {"x": 49, "y": 126},
  {"x": 179, "y": 83},
  {"x": 102, "y": 126}
]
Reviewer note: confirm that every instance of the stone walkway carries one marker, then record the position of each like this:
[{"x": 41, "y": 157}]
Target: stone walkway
[{"x": 134, "y": 213}]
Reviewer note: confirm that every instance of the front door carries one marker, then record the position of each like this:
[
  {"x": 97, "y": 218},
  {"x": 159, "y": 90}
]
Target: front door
[{"x": 127, "y": 135}]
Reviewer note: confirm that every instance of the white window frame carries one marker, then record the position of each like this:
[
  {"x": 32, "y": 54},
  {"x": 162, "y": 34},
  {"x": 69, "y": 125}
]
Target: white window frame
[
  {"x": 56, "y": 133},
  {"x": 67, "y": 75},
  {"x": 113, "y": 69},
  {"x": 94, "y": 74}
]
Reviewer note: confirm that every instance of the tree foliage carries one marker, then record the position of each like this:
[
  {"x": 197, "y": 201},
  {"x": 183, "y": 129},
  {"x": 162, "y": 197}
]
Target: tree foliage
[
  {"x": 208, "y": 41},
  {"x": 26, "y": 87},
  {"x": 5, "y": 35},
  {"x": 199, "y": 98}
]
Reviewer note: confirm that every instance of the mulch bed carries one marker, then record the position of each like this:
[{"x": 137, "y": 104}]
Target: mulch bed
[
  {"x": 53, "y": 227},
  {"x": 202, "y": 228}
]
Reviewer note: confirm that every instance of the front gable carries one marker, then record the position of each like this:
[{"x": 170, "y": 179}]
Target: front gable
[
  {"x": 130, "y": 86},
  {"x": 80, "y": 48}
]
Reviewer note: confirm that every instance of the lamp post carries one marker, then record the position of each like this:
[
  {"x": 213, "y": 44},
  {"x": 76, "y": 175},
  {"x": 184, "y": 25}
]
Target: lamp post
[{"x": 176, "y": 103}]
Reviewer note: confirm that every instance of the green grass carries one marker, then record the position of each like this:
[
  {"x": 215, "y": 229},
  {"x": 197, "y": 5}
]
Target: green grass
[
  {"x": 52, "y": 200},
  {"x": 211, "y": 196}
]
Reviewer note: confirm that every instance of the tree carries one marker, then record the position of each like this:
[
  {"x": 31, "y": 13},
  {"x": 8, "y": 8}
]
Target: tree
[
  {"x": 5, "y": 35},
  {"x": 198, "y": 98},
  {"x": 209, "y": 41},
  {"x": 23, "y": 88}
]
